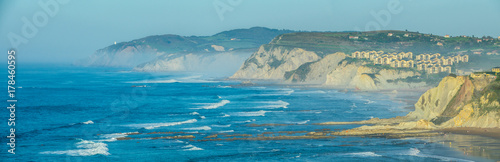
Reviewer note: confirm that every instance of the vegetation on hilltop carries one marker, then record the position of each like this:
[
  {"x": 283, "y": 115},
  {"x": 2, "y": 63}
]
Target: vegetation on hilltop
[
  {"x": 236, "y": 39},
  {"x": 400, "y": 41}
]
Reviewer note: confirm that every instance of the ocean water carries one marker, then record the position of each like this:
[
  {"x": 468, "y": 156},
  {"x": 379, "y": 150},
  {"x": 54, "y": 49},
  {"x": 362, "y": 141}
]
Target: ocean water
[{"x": 77, "y": 114}]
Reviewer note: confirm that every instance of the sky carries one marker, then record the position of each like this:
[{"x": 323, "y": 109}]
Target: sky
[{"x": 68, "y": 30}]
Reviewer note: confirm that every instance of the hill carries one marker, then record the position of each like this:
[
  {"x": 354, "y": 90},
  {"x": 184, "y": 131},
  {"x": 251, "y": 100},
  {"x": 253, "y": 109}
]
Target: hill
[
  {"x": 132, "y": 53},
  {"x": 325, "y": 58}
]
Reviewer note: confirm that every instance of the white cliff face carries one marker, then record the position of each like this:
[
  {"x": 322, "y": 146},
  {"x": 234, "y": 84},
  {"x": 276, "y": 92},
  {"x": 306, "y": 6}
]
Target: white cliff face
[
  {"x": 273, "y": 63},
  {"x": 127, "y": 56},
  {"x": 222, "y": 63},
  {"x": 356, "y": 75},
  {"x": 350, "y": 75},
  {"x": 299, "y": 66},
  {"x": 319, "y": 70}
]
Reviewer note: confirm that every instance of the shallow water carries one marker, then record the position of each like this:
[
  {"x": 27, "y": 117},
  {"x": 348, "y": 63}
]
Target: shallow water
[{"x": 76, "y": 114}]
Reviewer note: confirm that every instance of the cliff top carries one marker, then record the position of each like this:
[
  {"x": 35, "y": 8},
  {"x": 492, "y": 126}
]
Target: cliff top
[{"x": 388, "y": 41}]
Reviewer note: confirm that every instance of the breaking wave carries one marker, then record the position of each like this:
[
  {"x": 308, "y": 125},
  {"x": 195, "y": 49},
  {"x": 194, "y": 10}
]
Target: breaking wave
[
  {"x": 88, "y": 122},
  {"x": 215, "y": 105},
  {"x": 275, "y": 104},
  {"x": 191, "y": 148},
  {"x": 254, "y": 113},
  {"x": 199, "y": 128},
  {"x": 364, "y": 154},
  {"x": 86, "y": 148},
  {"x": 156, "y": 125}
]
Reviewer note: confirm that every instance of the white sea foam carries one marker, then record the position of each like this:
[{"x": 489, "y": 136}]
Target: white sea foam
[
  {"x": 227, "y": 131},
  {"x": 112, "y": 137},
  {"x": 214, "y": 105},
  {"x": 311, "y": 92},
  {"x": 246, "y": 121},
  {"x": 303, "y": 122},
  {"x": 275, "y": 104},
  {"x": 155, "y": 81},
  {"x": 282, "y": 92},
  {"x": 199, "y": 128},
  {"x": 202, "y": 117},
  {"x": 88, "y": 122},
  {"x": 191, "y": 77},
  {"x": 156, "y": 125},
  {"x": 369, "y": 102},
  {"x": 416, "y": 152},
  {"x": 364, "y": 154},
  {"x": 194, "y": 113},
  {"x": 222, "y": 126},
  {"x": 191, "y": 148},
  {"x": 86, "y": 148},
  {"x": 225, "y": 115},
  {"x": 219, "y": 86},
  {"x": 255, "y": 113}
]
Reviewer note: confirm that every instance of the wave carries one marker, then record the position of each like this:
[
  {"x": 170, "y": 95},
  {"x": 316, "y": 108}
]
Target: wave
[
  {"x": 194, "y": 113},
  {"x": 88, "y": 122},
  {"x": 156, "y": 125},
  {"x": 199, "y": 128},
  {"x": 257, "y": 87},
  {"x": 304, "y": 122},
  {"x": 246, "y": 121},
  {"x": 225, "y": 115},
  {"x": 281, "y": 92},
  {"x": 254, "y": 113},
  {"x": 227, "y": 131},
  {"x": 275, "y": 104},
  {"x": 192, "y": 77},
  {"x": 215, "y": 105},
  {"x": 222, "y": 126},
  {"x": 311, "y": 92},
  {"x": 155, "y": 81},
  {"x": 191, "y": 148},
  {"x": 364, "y": 154},
  {"x": 87, "y": 148},
  {"x": 189, "y": 79},
  {"x": 369, "y": 102},
  {"x": 416, "y": 152},
  {"x": 219, "y": 86},
  {"x": 112, "y": 137}
]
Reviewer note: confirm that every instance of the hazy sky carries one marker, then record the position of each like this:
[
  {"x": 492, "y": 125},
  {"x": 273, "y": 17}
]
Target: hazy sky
[{"x": 79, "y": 28}]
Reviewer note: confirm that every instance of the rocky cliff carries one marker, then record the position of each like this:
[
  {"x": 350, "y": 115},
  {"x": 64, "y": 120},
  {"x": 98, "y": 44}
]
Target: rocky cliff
[
  {"x": 273, "y": 62},
  {"x": 139, "y": 51},
  {"x": 212, "y": 64},
  {"x": 299, "y": 66},
  {"x": 461, "y": 101}
]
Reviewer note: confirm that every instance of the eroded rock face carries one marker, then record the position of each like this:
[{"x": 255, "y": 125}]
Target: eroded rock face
[
  {"x": 459, "y": 102},
  {"x": 298, "y": 66},
  {"x": 273, "y": 63},
  {"x": 220, "y": 63},
  {"x": 433, "y": 102},
  {"x": 125, "y": 56}
]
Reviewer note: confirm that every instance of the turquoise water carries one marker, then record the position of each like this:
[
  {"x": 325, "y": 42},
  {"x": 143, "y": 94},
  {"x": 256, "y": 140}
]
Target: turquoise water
[{"x": 77, "y": 114}]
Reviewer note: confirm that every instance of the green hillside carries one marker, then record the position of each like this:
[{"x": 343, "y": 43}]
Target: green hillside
[
  {"x": 400, "y": 41},
  {"x": 236, "y": 39}
]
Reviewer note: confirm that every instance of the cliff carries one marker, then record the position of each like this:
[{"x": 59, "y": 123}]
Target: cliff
[
  {"x": 299, "y": 66},
  {"x": 322, "y": 58},
  {"x": 461, "y": 101},
  {"x": 216, "y": 64},
  {"x": 139, "y": 51}
]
